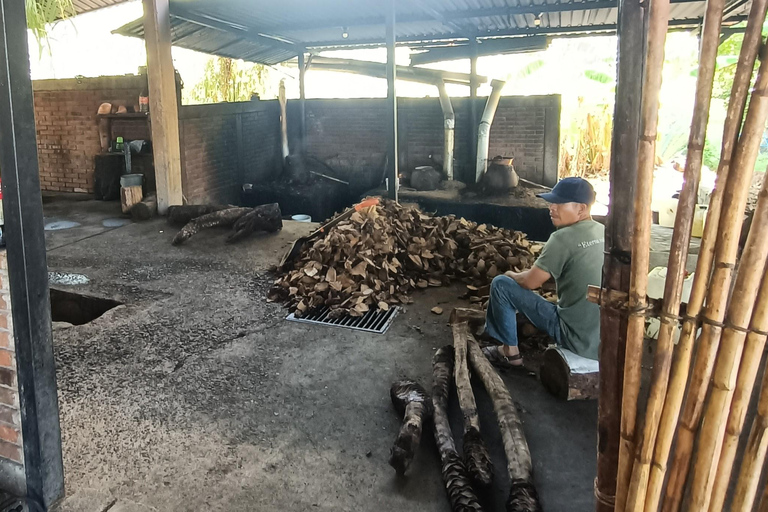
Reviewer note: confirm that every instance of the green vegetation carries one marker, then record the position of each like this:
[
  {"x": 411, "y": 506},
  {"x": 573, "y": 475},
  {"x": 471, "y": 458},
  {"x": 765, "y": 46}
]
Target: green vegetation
[
  {"x": 42, "y": 13},
  {"x": 228, "y": 80}
]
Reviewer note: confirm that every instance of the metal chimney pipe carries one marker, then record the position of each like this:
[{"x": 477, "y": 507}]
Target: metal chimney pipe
[
  {"x": 484, "y": 131},
  {"x": 449, "y": 123}
]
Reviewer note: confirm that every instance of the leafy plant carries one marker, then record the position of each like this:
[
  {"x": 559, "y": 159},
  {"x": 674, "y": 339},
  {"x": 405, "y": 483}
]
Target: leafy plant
[
  {"x": 42, "y": 13},
  {"x": 586, "y": 149},
  {"x": 228, "y": 80}
]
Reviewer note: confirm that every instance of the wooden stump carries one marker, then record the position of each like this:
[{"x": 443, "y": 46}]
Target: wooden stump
[
  {"x": 130, "y": 196},
  {"x": 569, "y": 377},
  {"x": 146, "y": 209}
]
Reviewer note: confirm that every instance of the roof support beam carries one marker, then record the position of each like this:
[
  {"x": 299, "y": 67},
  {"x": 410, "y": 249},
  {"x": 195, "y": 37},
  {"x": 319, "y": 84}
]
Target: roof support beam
[
  {"x": 250, "y": 35},
  {"x": 473, "y": 84}
]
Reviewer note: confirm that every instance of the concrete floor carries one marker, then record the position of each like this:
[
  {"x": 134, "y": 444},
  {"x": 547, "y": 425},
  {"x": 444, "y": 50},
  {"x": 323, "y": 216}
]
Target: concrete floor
[{"x": 196, "y": 394}]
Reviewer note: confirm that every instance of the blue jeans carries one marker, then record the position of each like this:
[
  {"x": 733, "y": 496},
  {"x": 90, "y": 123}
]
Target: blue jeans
[{"x": 506, "y": 299}]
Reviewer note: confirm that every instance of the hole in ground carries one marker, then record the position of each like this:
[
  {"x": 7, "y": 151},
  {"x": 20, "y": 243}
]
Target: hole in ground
[{"x": 78, "y": 309}]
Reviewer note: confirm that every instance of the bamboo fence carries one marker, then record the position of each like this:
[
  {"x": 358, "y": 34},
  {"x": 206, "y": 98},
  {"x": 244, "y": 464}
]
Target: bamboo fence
[
  {"x": 683, "y": 353},
  {"x": 704, "y": 407}
]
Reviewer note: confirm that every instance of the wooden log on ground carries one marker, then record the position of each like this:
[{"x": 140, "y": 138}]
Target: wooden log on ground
[
  {"x": 266, "y": 217},
  {"x": 130, "y": 196},
  {"x": 183, "y": 214},
  {"x": 414, "y": 404},
  {"x": 522, "y": 494},
  {"x": 455, "y": 477},
  {"x": 219, "y": 218},
  {"x": 567, "y": 381},
  {"x": 146, "y": 209},
  {"x": 476, "y": 457}
]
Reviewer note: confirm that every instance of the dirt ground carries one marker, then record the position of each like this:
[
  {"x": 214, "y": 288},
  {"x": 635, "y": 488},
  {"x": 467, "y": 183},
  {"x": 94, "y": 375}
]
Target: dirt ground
[{"x": 197, "y": 394}]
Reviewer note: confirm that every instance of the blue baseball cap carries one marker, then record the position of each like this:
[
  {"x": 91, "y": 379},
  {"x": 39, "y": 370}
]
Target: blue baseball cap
[{"x": 570, "y": 190}]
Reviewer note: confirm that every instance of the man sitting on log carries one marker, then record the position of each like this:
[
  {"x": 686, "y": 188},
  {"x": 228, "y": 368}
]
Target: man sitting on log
[{"x": 573, "y": 255}]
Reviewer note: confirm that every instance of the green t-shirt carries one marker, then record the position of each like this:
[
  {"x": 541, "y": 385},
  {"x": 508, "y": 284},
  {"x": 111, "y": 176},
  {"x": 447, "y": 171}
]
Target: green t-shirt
[{"x": 573, "y": 255}]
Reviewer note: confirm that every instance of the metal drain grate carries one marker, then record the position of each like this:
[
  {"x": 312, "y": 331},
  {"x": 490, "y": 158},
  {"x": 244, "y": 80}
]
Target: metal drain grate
[{"x": 375, "y": 320}]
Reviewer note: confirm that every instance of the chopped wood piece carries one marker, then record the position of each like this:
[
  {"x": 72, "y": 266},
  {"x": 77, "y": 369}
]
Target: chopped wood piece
[
  {"x": 457, "y": 484},
  {"x": 129, "y": 196},
  {"x": 437, "y": 310},
  {"x": 412, "y": 401}
]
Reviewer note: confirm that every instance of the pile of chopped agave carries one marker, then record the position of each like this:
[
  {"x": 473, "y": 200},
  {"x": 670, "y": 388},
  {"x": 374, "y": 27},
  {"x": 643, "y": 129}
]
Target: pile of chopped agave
[{"x": 381, "y": 254}]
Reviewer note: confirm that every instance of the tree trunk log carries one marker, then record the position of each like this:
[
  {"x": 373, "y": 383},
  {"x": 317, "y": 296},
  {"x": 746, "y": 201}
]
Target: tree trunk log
[
  {"x": 558, "y": 378},
  {"x": 218, "y": 218},
  {"x": 412, "y": 401},
  {"x": 522, "y": 494},
  {"x": 130, "y": 196},
  {"x": 267, "y": 217},
  {"x": 455, "y": 477},
  {"x": 181, "y": 215},
  {"x": 146, "y": 209},
  {"x": 476, "y": 456}
]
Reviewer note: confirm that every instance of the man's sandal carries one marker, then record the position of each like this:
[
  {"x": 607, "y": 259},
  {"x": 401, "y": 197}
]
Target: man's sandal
[{"x": 495, "y": 356}]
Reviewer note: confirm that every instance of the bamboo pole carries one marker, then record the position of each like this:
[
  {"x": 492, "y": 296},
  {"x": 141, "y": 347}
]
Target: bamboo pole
[
  {"x": 734, "y": 198},
  {"x": 682, "y": 360},
  {"x": 754, "y": 454},
  {"x": 678, "y": 256},
  {"x": 641, "y": 234},
  {"x": 726, "y": 369}
]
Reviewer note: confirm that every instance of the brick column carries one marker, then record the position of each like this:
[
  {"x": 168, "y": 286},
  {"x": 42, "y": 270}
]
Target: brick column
[{"x": 11, "y": 453}]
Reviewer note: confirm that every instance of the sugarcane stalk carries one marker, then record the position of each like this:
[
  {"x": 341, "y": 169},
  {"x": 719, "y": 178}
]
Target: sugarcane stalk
[
  {"x": 218, "y": 218},
  {"x": 455, "y": 478},
  {"x": 641, "y": 235},
  {"x": 522, "y": 494},
  {"x": 678, "y": 255},
  {"x": 476, "y": 457},
  {"x": 757, "y": 444},
  {"x": 414, "y": 404},
  {"x": 715, "y": 416},
  {"x": 725, "y": 258},
  {"x": 683, "y": 353}
]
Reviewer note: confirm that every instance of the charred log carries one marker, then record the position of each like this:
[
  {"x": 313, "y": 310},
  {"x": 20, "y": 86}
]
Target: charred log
[
  {"x": 267, "y": 217},
  {"x": 412, "y": 401},
  {"x": 219, "y": 218},
  {"x": 181, "y": 215},
  {"x": 455, "y": 476}
]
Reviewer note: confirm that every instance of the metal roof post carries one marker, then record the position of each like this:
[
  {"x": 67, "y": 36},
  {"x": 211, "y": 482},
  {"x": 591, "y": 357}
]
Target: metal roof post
[
  {"x": 473, "y": 116},
  {"x": 302, "y": 102},
  {"x": 392, "y": 163}
]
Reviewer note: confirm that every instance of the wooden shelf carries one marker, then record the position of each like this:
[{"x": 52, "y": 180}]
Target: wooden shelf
[{"x": 129, "y": 115}]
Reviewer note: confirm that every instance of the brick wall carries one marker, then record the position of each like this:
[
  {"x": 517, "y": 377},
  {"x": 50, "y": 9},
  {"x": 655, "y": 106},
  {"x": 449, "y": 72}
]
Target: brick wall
[
  {"x": 225, "y": 145},
  {"x": 67, "y": 127},
  {"x": 11, "y": 452},
  {"x": 353, "y": 132}
]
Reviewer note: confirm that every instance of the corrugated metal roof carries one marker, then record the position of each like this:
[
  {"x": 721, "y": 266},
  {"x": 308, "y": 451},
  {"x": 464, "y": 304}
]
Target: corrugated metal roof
[
  {"x": 270, "y": 32},
  {"x": 83, "y": 6}
]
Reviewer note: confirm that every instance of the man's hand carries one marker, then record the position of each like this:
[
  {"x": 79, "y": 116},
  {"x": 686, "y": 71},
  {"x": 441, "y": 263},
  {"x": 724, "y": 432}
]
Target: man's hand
[{"x": 530, "y": 279}]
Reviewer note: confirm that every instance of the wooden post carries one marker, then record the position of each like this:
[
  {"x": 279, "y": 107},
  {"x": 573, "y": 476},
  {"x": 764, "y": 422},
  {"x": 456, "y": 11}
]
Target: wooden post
[
  {"x": 302, "y": 103},
  {"x": 618, "y": 236},
  {"x": 392, "y": 164},
  {"x": 40, "y": 477},
  {"x": 473, "y": 115},
  {"x": 163, "y": 105}
]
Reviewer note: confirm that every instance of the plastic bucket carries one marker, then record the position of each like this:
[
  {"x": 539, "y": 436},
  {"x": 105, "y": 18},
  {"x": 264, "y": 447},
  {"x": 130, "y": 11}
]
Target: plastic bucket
[
  {"x": 131, "y": 180},
  {"x": 301, "y": 218}
]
